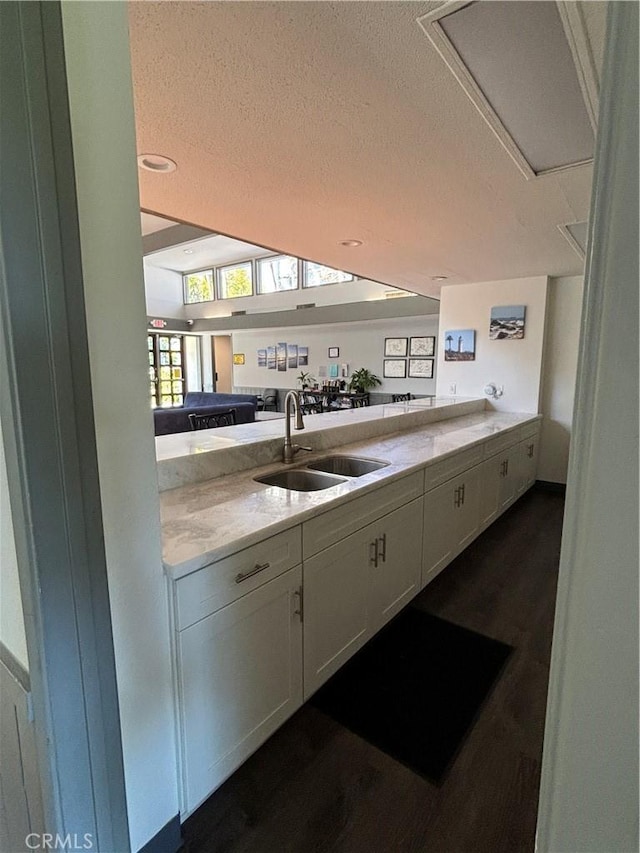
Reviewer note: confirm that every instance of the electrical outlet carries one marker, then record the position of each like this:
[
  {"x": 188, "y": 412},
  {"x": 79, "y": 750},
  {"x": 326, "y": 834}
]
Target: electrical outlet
[{"x": 452, "y": 388}]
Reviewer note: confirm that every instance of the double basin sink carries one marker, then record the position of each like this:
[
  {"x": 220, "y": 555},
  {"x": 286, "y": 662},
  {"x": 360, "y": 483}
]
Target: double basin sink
[{"x": 322, "y": 474}]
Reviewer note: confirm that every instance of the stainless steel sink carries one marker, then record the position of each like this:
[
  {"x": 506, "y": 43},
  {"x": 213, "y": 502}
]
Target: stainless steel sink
[
  {"x": 347, "y": 466},
  {"x": 300, "y": 480}
]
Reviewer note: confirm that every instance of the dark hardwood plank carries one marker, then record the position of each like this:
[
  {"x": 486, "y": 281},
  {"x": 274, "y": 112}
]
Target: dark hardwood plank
[{"x": 316, "y": 788}]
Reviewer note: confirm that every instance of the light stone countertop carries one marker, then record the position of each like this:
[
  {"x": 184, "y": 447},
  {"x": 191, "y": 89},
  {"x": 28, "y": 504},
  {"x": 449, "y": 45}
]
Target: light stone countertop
[
  {"x": 192, "y": 457},
  {"x": 207, "y": 521}
]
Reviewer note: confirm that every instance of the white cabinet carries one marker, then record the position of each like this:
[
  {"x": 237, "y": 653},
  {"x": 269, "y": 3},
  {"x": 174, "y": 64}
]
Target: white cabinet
[
  {"x": 239, "y": 678},
  {"x": 499, "y": 484},
  {"x": 336, "y": 582},
  {"x": 451, "y": 521},
  {"x": 397, "y": 564},
  {"x": 356, "y": 585},
  {"x": 528, "y": 462}
]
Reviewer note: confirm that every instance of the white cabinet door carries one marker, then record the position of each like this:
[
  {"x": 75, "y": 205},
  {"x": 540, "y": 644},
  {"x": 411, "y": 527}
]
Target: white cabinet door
[
  {"x": 240, "y": 677},
  {"x": 467, "y": 513},
  {"x": 490, "y": 485},
  {"x": 396, "y": 577},
  {"x": 336, "y": 594},
  {"x": 528, "y": 462},
  {"x": 451, "y": 521},
  {"x": 509, "y": 477},
  {"x": 439, "y": 532}
]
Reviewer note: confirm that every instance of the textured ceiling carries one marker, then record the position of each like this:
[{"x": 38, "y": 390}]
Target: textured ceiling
[{"x": 299, "y": 124}]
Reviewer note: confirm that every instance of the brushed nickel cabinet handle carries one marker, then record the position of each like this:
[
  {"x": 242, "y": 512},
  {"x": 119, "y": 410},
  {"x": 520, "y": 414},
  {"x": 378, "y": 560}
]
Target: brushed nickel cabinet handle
[
  {"x": 373, "y": 553},
  {"x": 259, "y": 567},
  {"x": 383, "y": 547}
]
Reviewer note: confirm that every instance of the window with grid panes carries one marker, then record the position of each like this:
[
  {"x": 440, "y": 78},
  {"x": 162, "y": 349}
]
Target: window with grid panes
[{"x": 166, "y": 370}]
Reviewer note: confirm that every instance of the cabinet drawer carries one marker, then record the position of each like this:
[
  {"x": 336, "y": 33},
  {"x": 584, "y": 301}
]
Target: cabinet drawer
[
  {"x": 501, "y": 442},
  {"x": 327, "y": 529},
  {"x": 217, "y": 585},
  {"x": 529, "y": 430},
  {"x": 440, "y": 472}
]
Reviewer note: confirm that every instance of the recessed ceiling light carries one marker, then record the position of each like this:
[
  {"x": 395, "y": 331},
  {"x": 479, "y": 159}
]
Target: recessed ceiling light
[
  {"x": 351, "y": 243},
  {"x": 188, "y": 251},
  {"x": 156, "y": 163},
  {"x": 439, "y": 278}
]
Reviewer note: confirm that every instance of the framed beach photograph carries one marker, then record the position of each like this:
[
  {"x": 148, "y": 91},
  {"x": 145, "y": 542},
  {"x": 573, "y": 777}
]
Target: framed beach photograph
[
  {"x": 271, "y": 358},
  {"x": 421, "y": 368},
  {"x": 262, "y": 358},
  {"x": 334, "y": 352},
  {"x": 460, "y": 345},
  {"x": 507, "y": 322},
  {"x": 281, "y": 356},
  {"x": 394, "y": 368},
  {"x": 395, "y": 347},
  {"x": 292, "y": 356},
  {"x": 422, "y": 347},
  {"x": 303, "y": 356}
]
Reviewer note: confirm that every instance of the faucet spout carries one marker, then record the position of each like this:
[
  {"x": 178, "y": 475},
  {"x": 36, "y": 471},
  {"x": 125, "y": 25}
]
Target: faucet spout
[{"x": 289, "y": 450}]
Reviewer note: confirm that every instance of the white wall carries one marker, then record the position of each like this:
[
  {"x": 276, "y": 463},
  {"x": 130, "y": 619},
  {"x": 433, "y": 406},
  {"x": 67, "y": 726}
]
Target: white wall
[
  {"x": 360, "y": 344},
  {"x": 564, "y": 309},
  {"x": 360, "y": 290},
  {"x": 12, "y": 632},
  {"x": 102, "y": 124},
  {"x": 163, "y": 291},
  {"x": 514, "y": 364}
]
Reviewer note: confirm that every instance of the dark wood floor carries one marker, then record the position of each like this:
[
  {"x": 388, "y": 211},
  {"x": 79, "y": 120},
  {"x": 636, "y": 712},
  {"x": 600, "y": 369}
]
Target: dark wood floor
[{"x": 314, "y": 787}]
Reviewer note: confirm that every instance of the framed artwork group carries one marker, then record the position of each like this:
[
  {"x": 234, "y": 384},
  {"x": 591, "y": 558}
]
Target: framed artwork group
[{"x": 411, "y": 357}]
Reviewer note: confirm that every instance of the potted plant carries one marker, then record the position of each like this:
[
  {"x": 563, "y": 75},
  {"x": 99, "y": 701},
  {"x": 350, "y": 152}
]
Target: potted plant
[
  {"x": 305, "y": 380},
  {"x": 362, "y": 380}
]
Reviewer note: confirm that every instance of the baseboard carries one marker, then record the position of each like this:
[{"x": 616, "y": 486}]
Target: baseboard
[
  {"x": 167, "y": 840},
  {"x": 548, "y": 486}
]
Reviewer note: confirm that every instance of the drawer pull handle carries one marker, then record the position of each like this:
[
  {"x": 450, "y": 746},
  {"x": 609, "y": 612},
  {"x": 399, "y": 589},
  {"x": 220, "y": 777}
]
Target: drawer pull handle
[
  {"x": 373, "y": 553},
  {"x": 259, "y": 567},
  {"x": 383, "y": 547}
]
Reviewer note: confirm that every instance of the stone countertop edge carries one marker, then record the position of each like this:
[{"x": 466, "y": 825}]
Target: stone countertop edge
[{"x": 188, "y": 538}]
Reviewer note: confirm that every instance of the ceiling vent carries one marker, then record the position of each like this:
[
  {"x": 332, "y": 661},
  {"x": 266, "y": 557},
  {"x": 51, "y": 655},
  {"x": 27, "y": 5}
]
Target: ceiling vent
[
  {"x": 238, "y": 313},
  {"x": 523, "y": 67},
  {"x": 306, "y": 305}
]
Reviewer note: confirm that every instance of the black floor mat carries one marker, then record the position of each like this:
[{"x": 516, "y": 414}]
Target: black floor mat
[{"x": 415, "y": 689}]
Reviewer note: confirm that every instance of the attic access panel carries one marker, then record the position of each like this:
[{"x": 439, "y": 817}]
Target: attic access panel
[{"x": 515, "y": 64}]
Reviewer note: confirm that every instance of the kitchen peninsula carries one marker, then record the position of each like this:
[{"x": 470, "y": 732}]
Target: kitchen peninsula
[{"x": 272, "y": 590}]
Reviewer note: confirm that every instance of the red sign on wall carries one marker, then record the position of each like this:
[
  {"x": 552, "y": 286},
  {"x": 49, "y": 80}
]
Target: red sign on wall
[{"x": 158, "y": 324}]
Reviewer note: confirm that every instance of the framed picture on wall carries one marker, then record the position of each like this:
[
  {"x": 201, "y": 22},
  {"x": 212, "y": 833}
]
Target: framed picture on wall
[
  {"x": 395, "y": 347},
  {"x": 271, "y": 358},
  {"x": 421, "y": 368},
  {"x": 460, "y": 345},
  {"x": 507, "y": 322},
  {"x": 292, "y": 356},
  {"x": 422, "y": 347},
  {"x": 262, "y": 358},
  {"x": 394, "y": 368},
  {"x": 334, "y": 352},
  {"x": 238, "y": 358}
]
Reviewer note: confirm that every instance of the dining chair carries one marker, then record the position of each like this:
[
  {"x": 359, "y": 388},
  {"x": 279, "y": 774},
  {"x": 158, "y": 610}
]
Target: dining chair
[{"x": 213, "y": 419}]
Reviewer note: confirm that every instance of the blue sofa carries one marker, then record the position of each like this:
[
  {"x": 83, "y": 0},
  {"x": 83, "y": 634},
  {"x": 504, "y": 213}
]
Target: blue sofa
[{"x": 167, "y": 421}]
